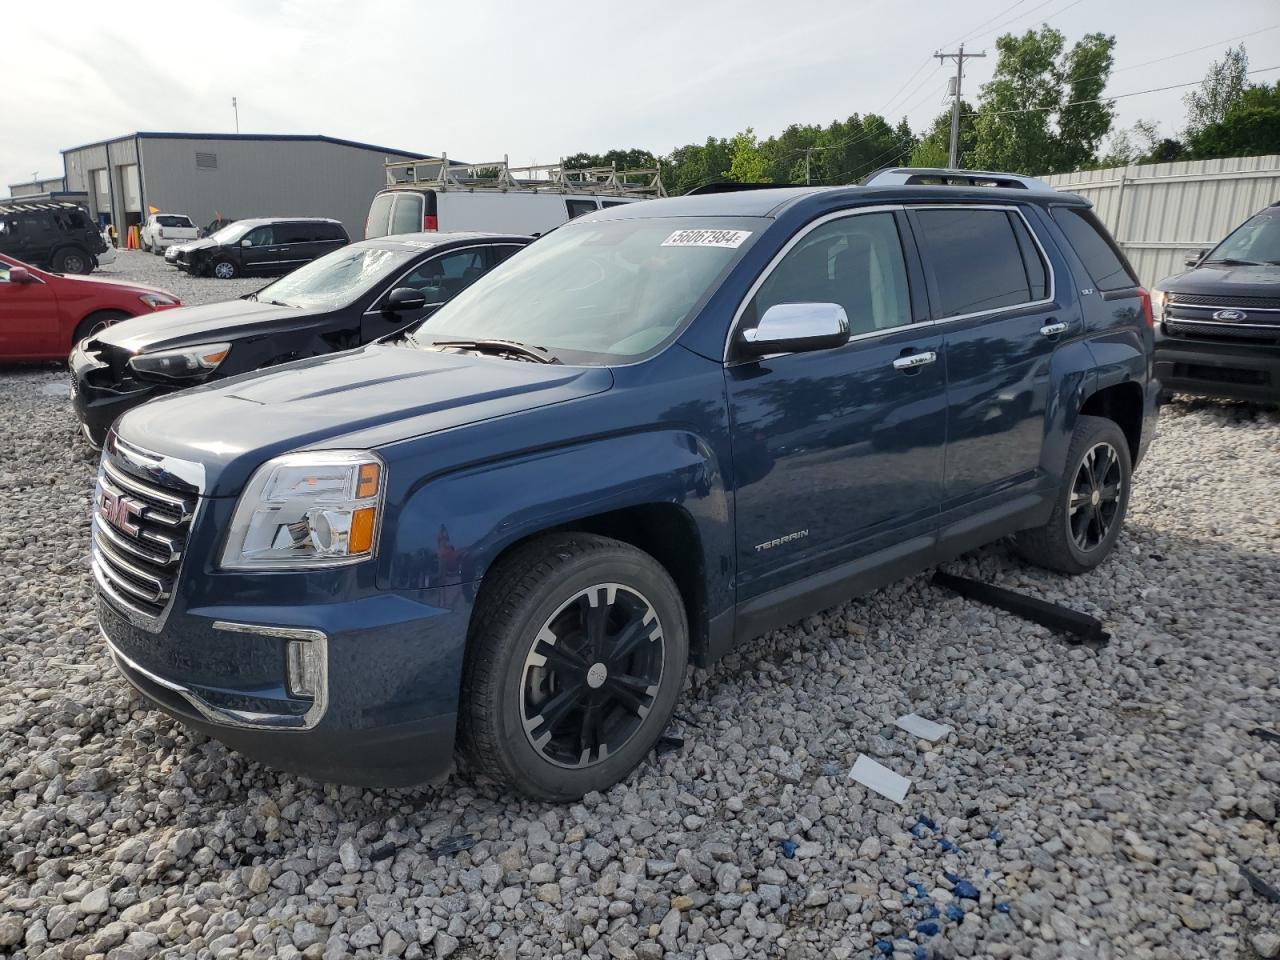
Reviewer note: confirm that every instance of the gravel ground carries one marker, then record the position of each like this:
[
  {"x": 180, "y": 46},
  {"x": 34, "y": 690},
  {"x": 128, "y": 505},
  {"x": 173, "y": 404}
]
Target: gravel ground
[
  {"x": 1088, "y": 804},
  {"x": 148, "y": 268}
]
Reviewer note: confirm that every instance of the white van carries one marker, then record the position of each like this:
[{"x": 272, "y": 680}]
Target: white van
[{"x": 453, "y": 198}]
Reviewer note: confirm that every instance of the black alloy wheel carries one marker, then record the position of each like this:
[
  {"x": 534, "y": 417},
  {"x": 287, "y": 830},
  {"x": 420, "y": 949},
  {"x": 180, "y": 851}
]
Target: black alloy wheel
[
  {"x": 591, "y": 675},
  {"x": 1095, "y": 497}
]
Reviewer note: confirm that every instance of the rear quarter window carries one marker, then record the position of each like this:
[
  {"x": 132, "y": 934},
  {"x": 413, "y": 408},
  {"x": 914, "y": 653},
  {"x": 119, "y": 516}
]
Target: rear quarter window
[{"x": 1103, "y": 260}]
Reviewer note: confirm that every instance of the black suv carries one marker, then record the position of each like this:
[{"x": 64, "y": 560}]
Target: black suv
[
  {"x": 272, "y": 245},
  {"x": 52, "y": 235},
  {"x": 1218, "y": 333}
]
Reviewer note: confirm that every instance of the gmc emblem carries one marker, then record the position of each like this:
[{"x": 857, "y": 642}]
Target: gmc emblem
[{"x": 120, "y": 512}]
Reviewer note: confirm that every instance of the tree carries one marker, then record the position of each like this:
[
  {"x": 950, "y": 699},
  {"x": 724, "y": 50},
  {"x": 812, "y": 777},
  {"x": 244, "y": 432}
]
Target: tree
[
  {"x": 1221, "y": 87},
  {"x": 1038, "y": 113},
  {"x": 695, "y": 165},
  {"x": 633, "y": 159},
  {"x": 1127, "y": 145},
  {"x": 1250, "y": 126},
  {"x": 934, "y": 148},
  {"x": 748, "y": 164}
]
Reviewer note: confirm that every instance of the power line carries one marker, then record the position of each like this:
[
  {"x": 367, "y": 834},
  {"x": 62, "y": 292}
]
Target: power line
[
  {"x": 967, "y": 36},
  {"x": 1114, "y": 96}
]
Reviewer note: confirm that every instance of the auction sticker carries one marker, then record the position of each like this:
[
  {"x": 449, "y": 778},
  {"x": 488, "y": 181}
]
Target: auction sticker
[{"x": 707, "y": 238}]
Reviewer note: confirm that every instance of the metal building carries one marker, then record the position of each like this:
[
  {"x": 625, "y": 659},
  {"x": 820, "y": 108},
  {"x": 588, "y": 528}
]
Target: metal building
[
  {"x": 229, "y": 176},
  {"x": 1160, "y": 212}
]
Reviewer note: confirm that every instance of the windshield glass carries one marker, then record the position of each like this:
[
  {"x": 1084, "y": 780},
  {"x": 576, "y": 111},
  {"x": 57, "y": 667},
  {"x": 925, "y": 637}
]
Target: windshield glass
[
  {"x": 336, "y": 279},
  {"x": 230, "y": 233},
  {"x": 1257, "y": 240},
  {"x": 598, "y": 291}
]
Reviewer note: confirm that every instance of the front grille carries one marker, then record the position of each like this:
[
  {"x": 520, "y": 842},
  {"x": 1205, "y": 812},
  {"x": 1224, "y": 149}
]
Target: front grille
[
  {"x": 1221, "y": 331},
  {"x": 1199, "y": 371},
  {"x": 1213, "y": 300},
  {"x": 140, "y": 531}
]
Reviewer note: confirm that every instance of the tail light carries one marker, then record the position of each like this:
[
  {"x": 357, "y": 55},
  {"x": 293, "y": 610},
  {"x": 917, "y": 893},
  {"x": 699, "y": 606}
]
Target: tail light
[
  {"x": 430, "y": 223},
  {"x": 1147, "y": 316}
]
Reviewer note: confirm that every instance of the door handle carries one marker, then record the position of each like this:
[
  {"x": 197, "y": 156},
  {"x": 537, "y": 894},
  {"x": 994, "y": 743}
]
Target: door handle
[
  {"x": 913, "y": 360},
  {"x": 1052, "y": 329}
]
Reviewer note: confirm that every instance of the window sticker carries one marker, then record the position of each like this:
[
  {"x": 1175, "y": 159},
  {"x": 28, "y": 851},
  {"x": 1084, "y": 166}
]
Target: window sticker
[{"x": 707, "y": 238}]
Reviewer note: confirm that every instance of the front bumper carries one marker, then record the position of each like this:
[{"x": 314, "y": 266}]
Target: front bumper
[
  {"x": 1233, "y": 369},
  {"x": 99, "y": 397},
  {"x": 385, "y": 706}
]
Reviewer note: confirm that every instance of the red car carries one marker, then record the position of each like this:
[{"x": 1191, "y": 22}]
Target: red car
[{"x": 43, "y": 315}]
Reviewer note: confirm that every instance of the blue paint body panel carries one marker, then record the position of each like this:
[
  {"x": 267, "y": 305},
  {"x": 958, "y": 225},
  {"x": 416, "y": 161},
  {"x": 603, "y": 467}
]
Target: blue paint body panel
[{"x": 800, "y": 479}]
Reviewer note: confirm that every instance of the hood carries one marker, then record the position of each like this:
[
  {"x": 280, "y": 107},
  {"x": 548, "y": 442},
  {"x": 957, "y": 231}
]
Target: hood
[
  {"x": 1262, "y": 280},
  {"x": 397, "y": 392},
  {"x": 105, "y": 282},
  {"x": 204, "y": 243},
  {"x": 207, "y": 323}
]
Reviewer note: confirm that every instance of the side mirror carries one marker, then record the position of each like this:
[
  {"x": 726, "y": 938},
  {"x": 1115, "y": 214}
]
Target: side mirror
[
  {"x": 797, "y": 327},
  {"x": 1191, "y": 257},
  {"x": 19, "y": 275},
  {"x": 246, "y": 243},
  {"x": 404, "y": 298}
]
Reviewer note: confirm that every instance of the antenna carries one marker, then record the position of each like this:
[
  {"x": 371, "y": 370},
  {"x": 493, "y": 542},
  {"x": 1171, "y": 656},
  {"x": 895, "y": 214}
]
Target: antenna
[{"x": 236, "y": 108}]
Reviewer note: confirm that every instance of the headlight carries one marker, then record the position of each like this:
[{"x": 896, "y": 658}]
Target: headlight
[
  {"x": 1158, "y": 300},
  {"x": 309, "y": 509},
  {"x": 183, "y": 363},
  {"x": 158, "y": 300}
]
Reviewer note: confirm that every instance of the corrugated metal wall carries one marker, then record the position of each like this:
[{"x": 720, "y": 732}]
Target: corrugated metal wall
[
  {"x": 1158, "y": 211},
  {"x": 262, "y": 178}
]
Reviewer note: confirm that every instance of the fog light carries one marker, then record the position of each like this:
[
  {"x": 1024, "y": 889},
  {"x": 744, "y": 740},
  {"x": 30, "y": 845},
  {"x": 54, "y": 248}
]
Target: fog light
[{"x": 302, "y": 668}]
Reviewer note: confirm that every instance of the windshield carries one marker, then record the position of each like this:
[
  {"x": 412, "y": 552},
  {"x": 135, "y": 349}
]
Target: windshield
[
  {"x": 336, "y": 279},
  {"x": 230, "y": 233},
  {"x": 1257, "y": 240},
  {"x": 598, "y": 291}
]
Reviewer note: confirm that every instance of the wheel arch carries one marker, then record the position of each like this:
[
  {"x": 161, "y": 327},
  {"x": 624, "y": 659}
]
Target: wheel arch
[
  {"x": 1121, "y": 403},
  {"x": 672, "y": 504},
  {"x": 82, "y": 327}
]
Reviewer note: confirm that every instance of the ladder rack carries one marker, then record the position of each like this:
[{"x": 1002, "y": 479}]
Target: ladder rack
[{"x": 440, "y": 174}]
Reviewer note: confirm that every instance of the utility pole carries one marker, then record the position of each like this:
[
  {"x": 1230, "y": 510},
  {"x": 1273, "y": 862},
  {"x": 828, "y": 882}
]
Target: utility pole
[
  {"x": 236, "y": 108},
  {"x": 807, "y": 154},
  {"x": 959, "y": 57}
]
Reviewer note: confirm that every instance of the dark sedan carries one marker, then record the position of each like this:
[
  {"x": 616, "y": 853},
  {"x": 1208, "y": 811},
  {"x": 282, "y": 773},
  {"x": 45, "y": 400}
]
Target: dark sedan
[{"x": 354, "y": 295}]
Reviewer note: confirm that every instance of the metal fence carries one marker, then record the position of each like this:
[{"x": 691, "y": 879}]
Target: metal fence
[{"x": 1159, "y": 211}]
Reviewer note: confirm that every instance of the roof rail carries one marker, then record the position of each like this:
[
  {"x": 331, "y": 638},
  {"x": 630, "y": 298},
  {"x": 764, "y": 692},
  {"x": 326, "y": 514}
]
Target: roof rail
[
  {"x": 440, "y": 174},
  {"x": 942, "y": 176}
]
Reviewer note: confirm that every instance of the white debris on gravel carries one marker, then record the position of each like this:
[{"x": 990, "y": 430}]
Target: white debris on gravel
[{"x": 1087, "y": 805}]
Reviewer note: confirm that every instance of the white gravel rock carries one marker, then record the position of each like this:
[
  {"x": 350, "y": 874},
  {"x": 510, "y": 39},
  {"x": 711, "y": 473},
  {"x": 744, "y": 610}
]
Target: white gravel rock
[{"x": 1087, "y": 804}]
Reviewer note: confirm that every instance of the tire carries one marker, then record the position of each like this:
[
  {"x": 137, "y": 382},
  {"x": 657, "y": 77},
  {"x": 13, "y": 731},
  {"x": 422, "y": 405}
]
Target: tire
[
  {"x": 72, "y": 260},
  {"x": 224, "y": 270},
  {"x": 512, "y": 676},
  {"x": 95, "y": 323},
  {"x": 1097, "y": 482}
]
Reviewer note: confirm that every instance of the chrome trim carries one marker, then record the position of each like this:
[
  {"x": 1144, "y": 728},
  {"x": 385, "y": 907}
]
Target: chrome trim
[
  {"x": 152, "y": 464},
  {"x": 285, "y": 633},
  {"x": 1050, "y": 275},
  {"x": 137, "y": 549},
  {"x": 124, "y": 484},
  {"x": 1228, "y": 325},
  {"x": 791, "y": 321},
  {"x": 159, "y": 593},
  {"x": 1053, "y": 329},
  {"x": 241, "y": 719},
  {"x": 913, "y": 360},
  {"x": 1216, "y": 306}
]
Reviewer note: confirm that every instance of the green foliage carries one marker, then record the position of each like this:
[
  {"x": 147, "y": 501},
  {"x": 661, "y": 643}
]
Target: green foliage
[
  {"x": 1034, "y": 116},
  {"x": 633, "y": 159},
  {"x": 748, "y": 164},
  {"x": 934, "y": 148},
  {"x": 1250, "y": 126},
  {"x": 1220, "y": 89}
]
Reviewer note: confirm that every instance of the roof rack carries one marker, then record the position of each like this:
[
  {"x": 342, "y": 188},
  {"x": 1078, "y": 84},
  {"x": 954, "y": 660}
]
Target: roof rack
[
  {"x": 441, "y": 174},
  {"x": 17, "y": 203},
  {"x": 942, "y": 176}
]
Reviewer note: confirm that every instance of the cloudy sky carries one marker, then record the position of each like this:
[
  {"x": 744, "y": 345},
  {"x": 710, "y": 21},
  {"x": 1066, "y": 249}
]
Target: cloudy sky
[{"x": 539, "y": 80}]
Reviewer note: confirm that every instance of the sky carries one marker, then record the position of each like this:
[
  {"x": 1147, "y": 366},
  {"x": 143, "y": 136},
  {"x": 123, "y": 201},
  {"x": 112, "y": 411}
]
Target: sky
[{"x": 546, "y": 79}]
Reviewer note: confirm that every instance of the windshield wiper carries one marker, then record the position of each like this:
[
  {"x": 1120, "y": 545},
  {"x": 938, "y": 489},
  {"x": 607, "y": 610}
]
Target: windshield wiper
[
  {"x": 514, "y": 347},
  {"x": 1233, "y": 262}
]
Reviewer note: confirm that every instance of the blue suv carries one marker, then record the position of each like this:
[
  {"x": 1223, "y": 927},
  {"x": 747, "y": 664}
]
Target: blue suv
[{"x": 651, "y": 435}]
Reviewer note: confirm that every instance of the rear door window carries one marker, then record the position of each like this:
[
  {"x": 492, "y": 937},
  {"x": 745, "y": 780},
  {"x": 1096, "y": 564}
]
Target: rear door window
[
  {"x": 379, "y": 216},
  {"x": 577, "y": 208},
  {"x": 295, "y": 232},
  {"x": 975, "y": 259},
  {"x": 168, "y": 220},
  {"x": 407, "y": 215},
  {"x": 1095, "y": 248},
  {"x": 329, "y": 232}
]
